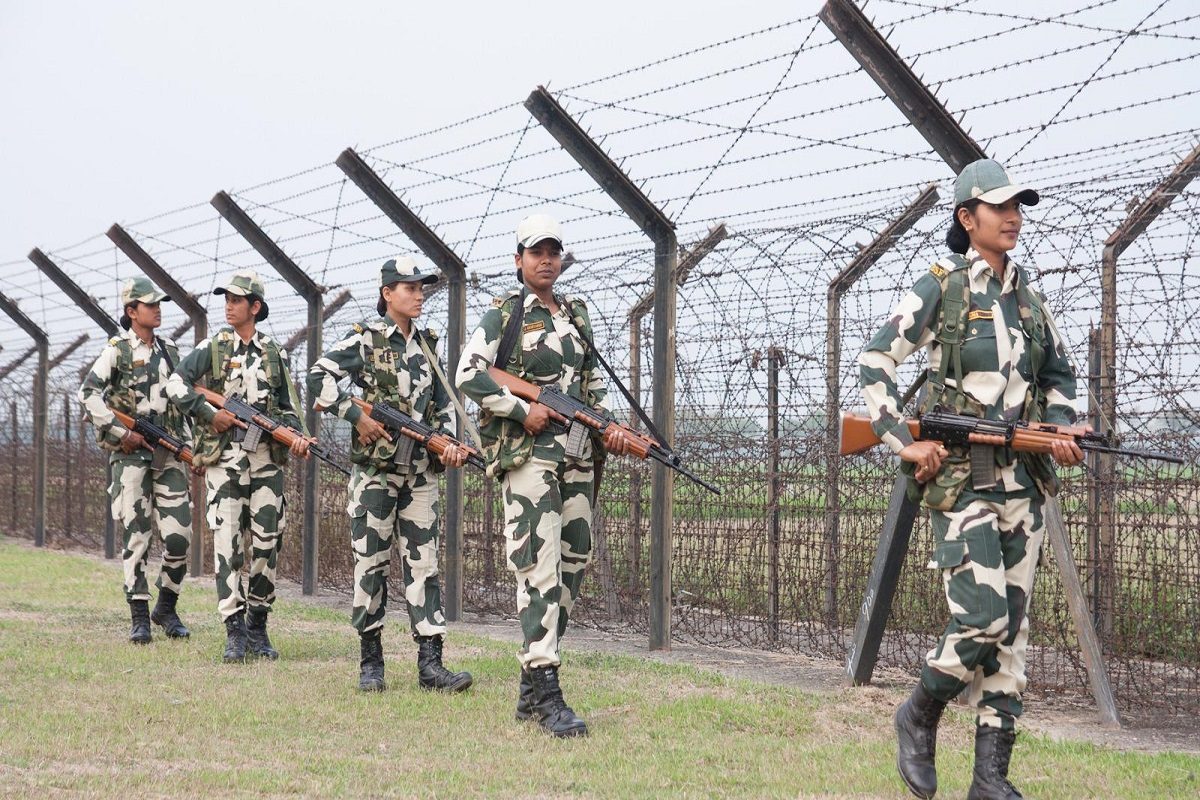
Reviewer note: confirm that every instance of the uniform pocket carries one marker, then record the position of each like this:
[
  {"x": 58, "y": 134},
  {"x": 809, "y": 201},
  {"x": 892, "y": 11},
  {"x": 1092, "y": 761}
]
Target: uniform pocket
[{"x": 948, "y": 555}]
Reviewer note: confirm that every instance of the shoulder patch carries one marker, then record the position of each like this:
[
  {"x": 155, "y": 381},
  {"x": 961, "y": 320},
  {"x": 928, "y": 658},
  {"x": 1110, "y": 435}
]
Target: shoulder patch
[
  {"x": 430, "y": 333},
  {"x": 938, "y": 271},
  {"x": 498, "y": 301},
  {"x": 358, "y": 328},
  {"x": 114, "y": 341}
]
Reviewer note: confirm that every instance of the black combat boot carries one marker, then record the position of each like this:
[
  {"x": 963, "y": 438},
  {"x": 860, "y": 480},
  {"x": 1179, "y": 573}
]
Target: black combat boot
[
  {"x": 258, "y": 643},
  {"x": 235, "y": 638},
  {"x": 916, "y": 729},
  {"x": 165, "y": 616},
  {"x": 525, "y": 698},
  {"x": 549, "y": 707},
  {"x": 430, "y": 672},
  {"x": 370, "y": 667},
  {"x": 993, "y": 749},
  {"x": 139, "y": 630}
]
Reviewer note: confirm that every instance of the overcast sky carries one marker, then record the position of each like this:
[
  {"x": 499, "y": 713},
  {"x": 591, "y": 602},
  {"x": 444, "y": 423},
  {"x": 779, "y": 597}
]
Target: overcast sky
[{"x": 118, "y": 110}]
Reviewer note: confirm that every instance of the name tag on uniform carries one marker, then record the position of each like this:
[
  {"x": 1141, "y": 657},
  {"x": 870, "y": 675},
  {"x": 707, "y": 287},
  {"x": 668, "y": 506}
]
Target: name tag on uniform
[
  {"x": 979, "y": 313},
  {"x": 141, "y": 362},
  {"x": 534, "y": 326},
  {"x": 234, "y": 363}
]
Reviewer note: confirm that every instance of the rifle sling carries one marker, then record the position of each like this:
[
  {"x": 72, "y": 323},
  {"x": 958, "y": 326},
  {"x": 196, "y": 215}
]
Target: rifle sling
[{"x": 629, "y": 398}]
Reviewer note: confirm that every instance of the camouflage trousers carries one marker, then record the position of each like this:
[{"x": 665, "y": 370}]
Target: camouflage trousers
[
  {"x": 245, "y": 494},
  {"x": 141, "y": 495},
  {"x": 382, "y": 503},
  {"x": 548, "y": 541},
  {"x": 987, "y": 548}
]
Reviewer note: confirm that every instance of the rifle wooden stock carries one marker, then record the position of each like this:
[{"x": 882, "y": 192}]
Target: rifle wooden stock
[
  {"x": 436, "y": 443},
  {"x": 170, "y": 444},
  {"x": 280, "y": 433},
  {"x": 639, "y": 443},
  {"x": 856, "y": 435}
]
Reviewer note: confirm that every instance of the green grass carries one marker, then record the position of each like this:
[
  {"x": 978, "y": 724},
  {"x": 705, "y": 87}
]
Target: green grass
[{"x": 83, "y": 712}]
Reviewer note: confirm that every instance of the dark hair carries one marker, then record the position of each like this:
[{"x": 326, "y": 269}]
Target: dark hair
[
  {"x": 957, "y": 238},
  {"x": 126, "y": 322},
  {"x": 381, "y": 304}
]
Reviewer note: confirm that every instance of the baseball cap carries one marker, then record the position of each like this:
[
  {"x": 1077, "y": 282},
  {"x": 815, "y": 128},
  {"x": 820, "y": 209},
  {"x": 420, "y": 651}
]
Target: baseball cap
[
  {"x": 246, "y": 282},
  {"x": 986, "y": 180},
  {"x": 537, "y": 228}
]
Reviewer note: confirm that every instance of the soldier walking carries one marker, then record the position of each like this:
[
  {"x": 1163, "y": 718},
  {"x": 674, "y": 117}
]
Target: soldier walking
[
  {"x": 130, "y": 376},
  {"x": 548, "y": 477},
  {"x": 393, "y": 486},
  {"x": 244, "y": 475},
  {"x": 994, "y": 353}
]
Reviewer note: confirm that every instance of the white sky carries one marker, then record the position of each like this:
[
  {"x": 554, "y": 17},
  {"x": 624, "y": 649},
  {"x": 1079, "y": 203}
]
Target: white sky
[{"x": 118, "y": 110}]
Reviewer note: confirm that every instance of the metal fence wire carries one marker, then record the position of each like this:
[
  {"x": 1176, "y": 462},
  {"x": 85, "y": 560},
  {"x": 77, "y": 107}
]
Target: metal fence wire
[{"x": 780, "y": 137}]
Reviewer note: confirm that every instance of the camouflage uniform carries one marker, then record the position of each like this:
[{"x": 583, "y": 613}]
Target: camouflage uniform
[
  {"x": 986, "y": 540},
  {"x": 245, "y": 488},
  {"x": 147, "y": 487},
  {"x": 548, "y": 492},
  {"x": 386, "y": 495}
]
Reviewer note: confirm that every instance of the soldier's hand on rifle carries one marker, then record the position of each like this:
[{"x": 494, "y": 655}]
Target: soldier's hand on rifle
[
  {"x": 615, "y": 441},
  {"x": 370, "y": 430},
  {"x": 223, "y": 421},
  {"x": 927, "y": 456},
  {"x": 453, "y": 456},
  {"x": 299, "y": 446},
  {"x": 198, "y": 470},
  {"x": 131, "y": 441},
  {"x": 1066, "y": 452},
  {"x": 537, "y": 419}
]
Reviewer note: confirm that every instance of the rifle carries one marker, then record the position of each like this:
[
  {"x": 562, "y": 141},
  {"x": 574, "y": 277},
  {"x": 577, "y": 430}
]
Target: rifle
[
  {"x": 246, "y": 415},
  {"x": 940, "y": 425},
  {"x": 396, "y": 420},
  {"x": 155, "y": 435},
  {"x": 566, "y": 410}
]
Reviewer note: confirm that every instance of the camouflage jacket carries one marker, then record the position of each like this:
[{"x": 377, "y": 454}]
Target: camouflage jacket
[
  {"x": 130, "y": 376},
  {"x": 995, "y": 358},
  {"x": 244, "y": 372},
  {"x": 391, "y": 367},
  {"x": 549, "y": 350}
]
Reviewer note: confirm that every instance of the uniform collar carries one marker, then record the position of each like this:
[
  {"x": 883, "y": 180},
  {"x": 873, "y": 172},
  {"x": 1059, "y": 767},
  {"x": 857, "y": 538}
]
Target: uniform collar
[
  {"x": 256, "y": 341},
  {"x": 979, "y": 267},
  {"x": 532, "y": 300},
  {"x": 389, "y": 327},
  {"x": 135, "y": 340}
]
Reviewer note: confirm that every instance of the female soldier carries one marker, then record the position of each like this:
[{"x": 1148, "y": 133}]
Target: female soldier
[
  {"x": 394, "y": 483},
  {"x": 548, "y": 477},
  {"x": 994, "y": 353}
]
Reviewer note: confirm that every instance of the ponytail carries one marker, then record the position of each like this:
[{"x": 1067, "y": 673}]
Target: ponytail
[{"x": 957, "y": 238}]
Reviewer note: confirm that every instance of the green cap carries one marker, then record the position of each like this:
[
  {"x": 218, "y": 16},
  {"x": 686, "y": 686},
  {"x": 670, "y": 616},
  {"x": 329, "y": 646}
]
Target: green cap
[
  {"x": 986, "y": 180},
  {"x": 403, "y": 269},
  {"x": 141, "y": 290},
  {"x": 245, "y": 282}
]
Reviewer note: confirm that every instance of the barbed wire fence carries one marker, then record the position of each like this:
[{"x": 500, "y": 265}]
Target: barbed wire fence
[{"x": 780, "y": 136}]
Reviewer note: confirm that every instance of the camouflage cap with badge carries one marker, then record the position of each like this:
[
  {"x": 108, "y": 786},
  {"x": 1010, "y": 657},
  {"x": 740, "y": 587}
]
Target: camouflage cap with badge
[
  {"x": 246, "y": 283},
  {"x": 402, "y": 269},
  {"x": 986, "y": 180},
  {"x": 139, "y": 290}
]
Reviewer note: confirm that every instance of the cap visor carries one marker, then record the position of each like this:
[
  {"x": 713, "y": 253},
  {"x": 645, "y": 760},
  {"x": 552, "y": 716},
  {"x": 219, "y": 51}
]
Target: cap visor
[
  {"x": 1027, "y": 196},
  {"x": 417, "y": 279},
  {"x": 538, "y": 238},
  {"x": 233, "y": 290}
]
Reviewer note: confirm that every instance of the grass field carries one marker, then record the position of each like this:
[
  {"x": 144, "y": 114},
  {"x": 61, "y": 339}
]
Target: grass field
[{"x": 84, "y": 713}]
